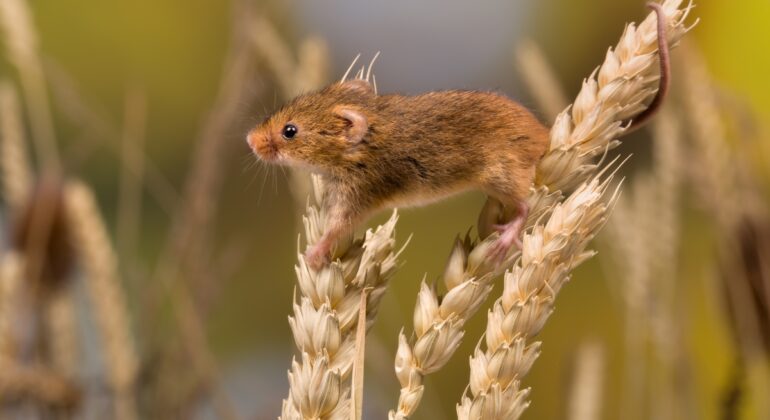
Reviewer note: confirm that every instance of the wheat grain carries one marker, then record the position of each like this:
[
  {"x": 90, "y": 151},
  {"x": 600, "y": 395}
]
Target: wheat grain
[
  {"x": 326, "y": 312},
  {"x": 100, "y": 270}
]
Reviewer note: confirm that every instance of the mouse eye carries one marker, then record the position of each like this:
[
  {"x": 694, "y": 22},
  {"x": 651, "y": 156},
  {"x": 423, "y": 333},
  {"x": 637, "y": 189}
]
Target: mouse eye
[{"x": 289, "y": 131}]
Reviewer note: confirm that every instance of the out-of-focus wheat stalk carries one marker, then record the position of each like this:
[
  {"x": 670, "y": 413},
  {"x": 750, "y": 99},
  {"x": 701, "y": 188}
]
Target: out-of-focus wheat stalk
[
  {"x": 15, "y": 167},
  {"x": 720, "y": 177},
  {"x": 97, "y": 128},
  {"x": 99, "y": 263},
  {"x": 61, "y": 333},
  {"x": 618, "y": 91},
  {"x": 12, "y": 321},
  {"x": 308, "y": 71},
  {"x": 326, "y": 313},
  {"x": 586, "y": 387},
  {"x": 21, "y": 376},
  {"x": 130, "y": 198},
  {"x": 643, "y": 237},
  {"x": 539, "y": 77},
  {"x": 22, "y": 45},
  {"x": 184, "y": 264}
]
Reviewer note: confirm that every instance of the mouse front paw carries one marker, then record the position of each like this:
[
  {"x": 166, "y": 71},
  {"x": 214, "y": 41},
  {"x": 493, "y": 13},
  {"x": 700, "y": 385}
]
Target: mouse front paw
[{"x": 317, "y": 256}]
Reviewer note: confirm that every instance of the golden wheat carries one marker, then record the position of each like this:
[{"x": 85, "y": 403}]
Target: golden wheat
[{"x": 326, "y": 312}]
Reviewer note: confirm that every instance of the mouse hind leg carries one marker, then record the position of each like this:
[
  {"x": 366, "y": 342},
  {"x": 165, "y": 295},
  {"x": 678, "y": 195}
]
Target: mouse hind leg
[
  {"x": 512, "y": 195},
  {"x": 511, "y": 231}
]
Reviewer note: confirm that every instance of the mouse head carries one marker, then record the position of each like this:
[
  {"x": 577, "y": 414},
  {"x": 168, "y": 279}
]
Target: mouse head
[{"x": 322, "y": 130}]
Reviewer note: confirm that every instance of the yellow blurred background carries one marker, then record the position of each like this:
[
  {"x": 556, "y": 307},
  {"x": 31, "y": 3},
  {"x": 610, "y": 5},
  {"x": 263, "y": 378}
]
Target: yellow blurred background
[{"x": 171, "y": 54}]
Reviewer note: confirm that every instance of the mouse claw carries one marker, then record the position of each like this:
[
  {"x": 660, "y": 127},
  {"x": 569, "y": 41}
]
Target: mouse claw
[{"x": 509, "y": 236}]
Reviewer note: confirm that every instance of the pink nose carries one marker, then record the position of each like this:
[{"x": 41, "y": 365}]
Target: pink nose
[
  {"x": 251, "y": 139},
  {"x": 261, "y": 144}
]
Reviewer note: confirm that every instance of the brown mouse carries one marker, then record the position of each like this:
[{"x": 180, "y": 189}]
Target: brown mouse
[{"x": 376, "y": 151}]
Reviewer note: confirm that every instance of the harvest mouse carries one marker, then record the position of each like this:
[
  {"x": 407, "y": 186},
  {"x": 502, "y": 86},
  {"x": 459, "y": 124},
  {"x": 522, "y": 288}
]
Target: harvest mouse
[{"x": 376, "y": 151}]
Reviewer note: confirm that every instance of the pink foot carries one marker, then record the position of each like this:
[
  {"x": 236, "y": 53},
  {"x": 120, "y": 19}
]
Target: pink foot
[
  {"x": 318, "y": 255},
  {"x": 510, "y": 234}
]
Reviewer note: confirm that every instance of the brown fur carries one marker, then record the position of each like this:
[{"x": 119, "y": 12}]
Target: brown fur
[{"x": 417, "y": 149}]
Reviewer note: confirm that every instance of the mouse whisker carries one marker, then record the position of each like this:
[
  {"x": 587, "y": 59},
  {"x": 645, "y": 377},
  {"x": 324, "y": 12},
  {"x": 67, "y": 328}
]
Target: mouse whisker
[
  {"x": 345, "y": 76},
  {"x": 371, "y": 64}
]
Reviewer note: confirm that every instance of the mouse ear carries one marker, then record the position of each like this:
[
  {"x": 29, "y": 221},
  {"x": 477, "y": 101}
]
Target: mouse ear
[
  {"x": 358, "y": 85},
  {"x": 357, "y": 124}
]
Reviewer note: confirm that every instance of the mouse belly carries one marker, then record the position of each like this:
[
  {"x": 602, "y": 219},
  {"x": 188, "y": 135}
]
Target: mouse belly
[{"x": 423, "y": 195}]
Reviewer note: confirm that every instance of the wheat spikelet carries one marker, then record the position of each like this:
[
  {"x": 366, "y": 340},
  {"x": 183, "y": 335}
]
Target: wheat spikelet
[
  {"x": 438, "y": 323},
  {"x": 626, "y": 81},
  {"x": 623, "y": 84},
  {"x": 326, "y": 312},
  {"x": 100, "y": 270},
  {"x": 14, "y": 162}
]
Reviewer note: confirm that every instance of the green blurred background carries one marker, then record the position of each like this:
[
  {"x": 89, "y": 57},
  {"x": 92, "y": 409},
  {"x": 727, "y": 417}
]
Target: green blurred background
[{"x": 172, "y": 51}]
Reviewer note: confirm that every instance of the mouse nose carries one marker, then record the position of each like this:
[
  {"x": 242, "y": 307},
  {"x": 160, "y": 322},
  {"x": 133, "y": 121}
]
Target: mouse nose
[
  {"x": 260, "y": 144},
  {"x": 256, "y": 140}
]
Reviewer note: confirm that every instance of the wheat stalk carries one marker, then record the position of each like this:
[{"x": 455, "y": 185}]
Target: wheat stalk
[
  {"x": 326, "y": 312},
  {"x": 721, "y": 177},
  {"x": 12, "y": 304},
  {"x": 22, "y": 45},
  {"x": 14, "y": 162},
  {"x": 61, "y": 322},
  {"x": 585, "y": 398},
  {"x": 99, "y": 264},
  {"x": 539, "y": 77},
  {"x": 624, "y": 83}
]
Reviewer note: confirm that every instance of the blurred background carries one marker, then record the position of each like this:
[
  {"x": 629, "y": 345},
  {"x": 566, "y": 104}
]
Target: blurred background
[{"x": 147, "y": 103}]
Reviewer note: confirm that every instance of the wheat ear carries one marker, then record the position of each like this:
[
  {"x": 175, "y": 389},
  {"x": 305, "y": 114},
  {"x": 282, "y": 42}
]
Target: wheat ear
[
  {"x": 326, "y": 312},
  {"x": 625, "y": 82},
  {"x": 99, "y": 264}
]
